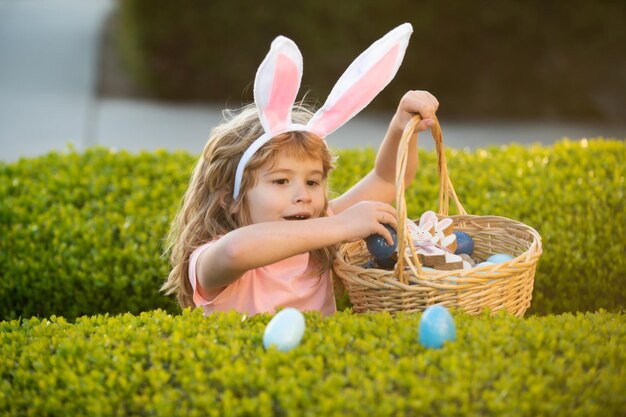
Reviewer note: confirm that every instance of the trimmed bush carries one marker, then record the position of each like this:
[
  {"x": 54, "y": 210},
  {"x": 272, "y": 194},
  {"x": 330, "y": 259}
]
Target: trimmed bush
[
  {"x": 359, "y": 365},
  {"x": 82, "y": 234},
  {"x": 504, "y": 59}
]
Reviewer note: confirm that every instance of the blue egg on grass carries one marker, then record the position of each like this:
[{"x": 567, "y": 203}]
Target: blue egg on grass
[
  {"x": 285, "y": 330},
  {"x": 498, "y": 258},
  {"x": 436, "y": 327},
  {"x": 378, "y": 246},
  {"x": 464, "y": 244}
]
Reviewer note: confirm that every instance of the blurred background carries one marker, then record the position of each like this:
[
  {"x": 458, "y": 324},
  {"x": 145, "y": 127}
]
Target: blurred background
[{"x": 147, "y": 74}]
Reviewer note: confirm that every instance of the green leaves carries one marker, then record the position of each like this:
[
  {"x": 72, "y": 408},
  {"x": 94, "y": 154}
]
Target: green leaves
[
  {"x": 371, "y": 364},
  {"x": 82, "y": 233}
]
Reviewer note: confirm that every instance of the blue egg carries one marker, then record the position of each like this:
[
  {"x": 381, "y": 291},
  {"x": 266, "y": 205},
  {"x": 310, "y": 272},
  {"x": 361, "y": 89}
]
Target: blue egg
[
  {"x": 387, "y": 263},
  {"x": 378, "y": 246},
  {"x": 369, "y": 264},
  {"x": 436, "y": 327},
  {"x": 498, "y": 258},
  {"x": 464, "y": 243},
  {"x": 485, "y": 263},
  {"x": 285, "y": 330}
]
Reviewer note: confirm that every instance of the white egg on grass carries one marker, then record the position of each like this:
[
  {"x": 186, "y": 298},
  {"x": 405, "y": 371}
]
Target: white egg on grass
[{"x": 285, "y": 330}]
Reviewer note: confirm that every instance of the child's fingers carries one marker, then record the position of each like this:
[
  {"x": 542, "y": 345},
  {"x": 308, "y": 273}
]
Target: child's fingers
[
  {"x": 382, "y": 230},
  {"x": 388, "y": 213},
  {"x": 433, "y": 100},
  {"x": 388, "y": 216},
  {"x": 428, "y": 107},
  {"x": 390, "y": 220},
  {"x": 422, "y": 103},
  {"x": 422, "y": 100},
  {"x": 424, "y": 124}
]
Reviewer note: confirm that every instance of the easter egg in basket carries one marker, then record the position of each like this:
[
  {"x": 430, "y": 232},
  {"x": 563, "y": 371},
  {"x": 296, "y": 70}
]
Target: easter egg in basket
[
  {"x": 464, "y": 244},
  {"x": 498, "y": 258},
  {"x": 378, "y": 246}
]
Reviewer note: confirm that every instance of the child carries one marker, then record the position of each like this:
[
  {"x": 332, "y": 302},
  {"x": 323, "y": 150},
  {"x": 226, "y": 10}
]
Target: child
[{"x": 256, "y": 230}]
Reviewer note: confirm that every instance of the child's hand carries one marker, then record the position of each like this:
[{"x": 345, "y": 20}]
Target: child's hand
[
  {"x": 412, "y": 103},
  {"x": 367, "y": 218}
]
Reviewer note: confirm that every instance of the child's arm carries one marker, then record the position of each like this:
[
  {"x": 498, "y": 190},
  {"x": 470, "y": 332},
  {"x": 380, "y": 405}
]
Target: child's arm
[
  {"x": 380, "y": 183},
  {"x": 262, "y": 244}
]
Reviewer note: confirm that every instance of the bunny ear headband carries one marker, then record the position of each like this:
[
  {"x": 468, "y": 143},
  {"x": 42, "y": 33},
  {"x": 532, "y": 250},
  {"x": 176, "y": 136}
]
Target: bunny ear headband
[{"x": 278, "y": 81}]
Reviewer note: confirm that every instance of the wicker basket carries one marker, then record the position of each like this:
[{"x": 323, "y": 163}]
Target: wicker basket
[{"x": 504, "y": 286}]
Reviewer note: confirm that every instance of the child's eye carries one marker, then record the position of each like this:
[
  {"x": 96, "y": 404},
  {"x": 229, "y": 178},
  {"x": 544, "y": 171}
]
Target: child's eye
[
  {"x": 312, "y": 183},
  {"x": 281, "y": 181}
]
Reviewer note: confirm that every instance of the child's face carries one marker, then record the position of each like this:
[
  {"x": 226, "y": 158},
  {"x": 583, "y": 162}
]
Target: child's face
[{"x": 289, "y": 189}]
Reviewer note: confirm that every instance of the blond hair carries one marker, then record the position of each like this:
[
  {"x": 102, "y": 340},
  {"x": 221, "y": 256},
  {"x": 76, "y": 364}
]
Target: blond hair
[{"x": 208, "y": 210}]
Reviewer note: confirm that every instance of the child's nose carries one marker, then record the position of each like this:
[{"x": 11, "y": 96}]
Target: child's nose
[{"x": 302, "y": 194}]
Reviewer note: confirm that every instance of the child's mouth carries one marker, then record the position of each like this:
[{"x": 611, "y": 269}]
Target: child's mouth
[{"x": 298, "y": 217}]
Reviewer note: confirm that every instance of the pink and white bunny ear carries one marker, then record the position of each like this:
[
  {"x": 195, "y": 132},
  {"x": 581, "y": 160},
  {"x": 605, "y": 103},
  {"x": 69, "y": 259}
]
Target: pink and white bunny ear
[
  {"x": 368, "y": 74},
  {"x": 275, "y": 89},
  {"x": 277, "y": 83}
]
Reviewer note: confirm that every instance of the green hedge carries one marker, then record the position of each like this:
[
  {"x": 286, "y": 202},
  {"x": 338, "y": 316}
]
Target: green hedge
[
  {"x": 82, "y": 233},
  {"x": 516, "y": 59},
  {"x": 156, "y": 364}
]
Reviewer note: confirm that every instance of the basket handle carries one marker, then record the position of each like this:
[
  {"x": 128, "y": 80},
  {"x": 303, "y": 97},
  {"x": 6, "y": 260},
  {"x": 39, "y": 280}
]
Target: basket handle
[{"x": 446, "y": 190}]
